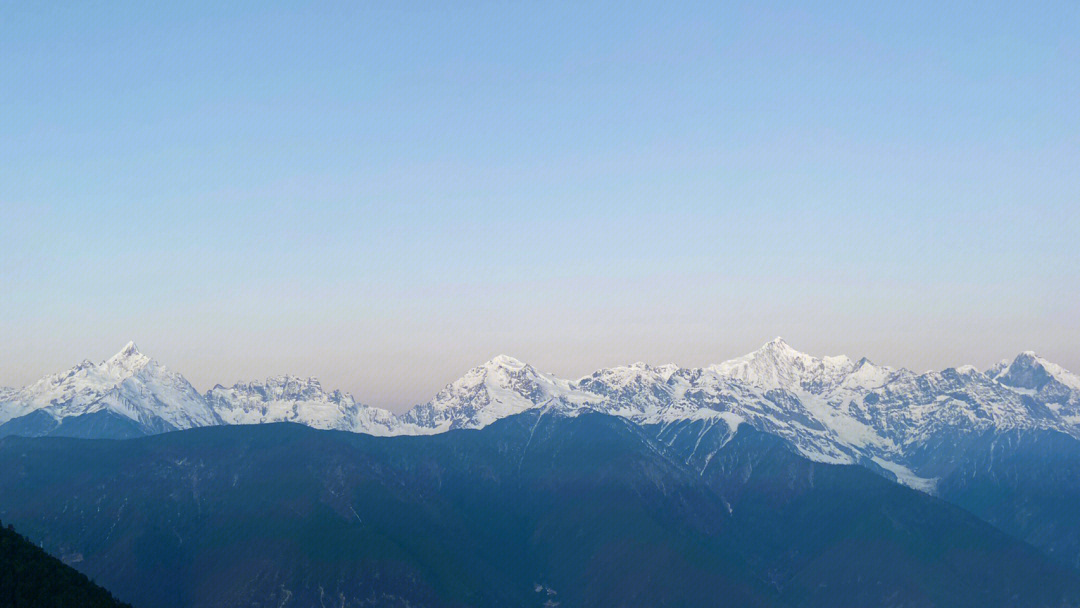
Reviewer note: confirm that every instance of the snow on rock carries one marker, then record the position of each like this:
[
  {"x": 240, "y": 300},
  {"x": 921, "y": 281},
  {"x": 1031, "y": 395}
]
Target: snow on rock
[
  {"x": 1031, "y": 371},
  {"x": 832, "y": 409},
  {"x": 300, "y": 400},
  {"x": 9, "y": 407},
  {"x": 776, "y": 365},
  {"x": 129, "y": 383},
  {"x": 501, "y": 387},
  {"x": 637, "y": 390}
]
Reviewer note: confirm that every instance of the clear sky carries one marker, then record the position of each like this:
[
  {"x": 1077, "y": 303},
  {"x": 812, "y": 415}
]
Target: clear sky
[{"x": 386, "y": 194}]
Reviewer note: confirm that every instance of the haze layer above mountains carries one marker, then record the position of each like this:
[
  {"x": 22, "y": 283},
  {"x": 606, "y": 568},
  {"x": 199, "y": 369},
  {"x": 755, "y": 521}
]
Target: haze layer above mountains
[{"x": 832, "y": 409}]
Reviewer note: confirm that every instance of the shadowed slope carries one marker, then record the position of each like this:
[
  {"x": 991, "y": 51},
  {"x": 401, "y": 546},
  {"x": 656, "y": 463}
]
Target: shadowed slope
[
  {"x": 534, "y": 509},
  {"x": 31, "y": 577}
]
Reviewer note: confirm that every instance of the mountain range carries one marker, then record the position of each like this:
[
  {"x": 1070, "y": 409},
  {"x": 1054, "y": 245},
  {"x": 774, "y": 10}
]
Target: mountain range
[
  {"x": 542, "y": 508},
  {"x": 766, "y": 480},
  {"x": 832, "y": 409}
]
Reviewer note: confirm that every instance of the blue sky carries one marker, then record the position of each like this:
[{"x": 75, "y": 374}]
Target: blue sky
[{"x": 385, "y": 195}]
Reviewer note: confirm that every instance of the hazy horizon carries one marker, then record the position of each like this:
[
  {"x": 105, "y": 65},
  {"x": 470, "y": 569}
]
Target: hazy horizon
[
  {"x": 205, "y": 383},
  {"x": 385, "y": 197}
]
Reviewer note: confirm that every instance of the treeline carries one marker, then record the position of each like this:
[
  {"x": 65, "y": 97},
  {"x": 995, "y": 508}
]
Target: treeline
[{"x": 31, "y": 578}]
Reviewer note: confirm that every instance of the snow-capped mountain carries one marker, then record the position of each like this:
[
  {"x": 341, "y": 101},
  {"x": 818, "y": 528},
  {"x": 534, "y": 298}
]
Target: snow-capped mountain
[
  {"x": 832, "y": 409},
  {"x": 131, "y": 394},
  {"x": 300, "y": 400},
  {"x": 1045, "y": 382},
  {"x": 776, "y": 365},
  {"x": 836, "y": 410},
  {"x": 129, "y": 387},
  {"x": 1032, "y": 372},
  {"x": 634, "y": 391},
  {"x": 501, "y": 387}
]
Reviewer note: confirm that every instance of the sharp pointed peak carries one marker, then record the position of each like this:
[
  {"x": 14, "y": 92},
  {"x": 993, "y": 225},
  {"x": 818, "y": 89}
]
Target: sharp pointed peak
[
  {"x": 776, "y": 346},
  {"x": 1029, "y": 370},
  {"x": 129, "y": 352},
  {"x": 129, "y": 358},
  {"x": 1028, "y": 358}
]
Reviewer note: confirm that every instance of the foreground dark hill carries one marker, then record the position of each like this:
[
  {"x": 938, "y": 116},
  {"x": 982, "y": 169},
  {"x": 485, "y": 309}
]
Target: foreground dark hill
[
  {"x": 31, "y": 578},
  {"x": 1026, "y": 483},
  {"x": 537, "y": 509}
]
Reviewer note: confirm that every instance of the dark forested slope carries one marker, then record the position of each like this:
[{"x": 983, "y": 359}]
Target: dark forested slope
[
  {"x": 31, "y": 578},
  {"x": 536, "y": 509}
]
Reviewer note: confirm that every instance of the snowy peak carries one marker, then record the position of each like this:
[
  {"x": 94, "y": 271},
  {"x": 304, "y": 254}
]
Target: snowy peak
[
  {"x": 126, "y": 362},
  {"x": 500, "y": 387},
  {"x": 777, "y": 350},
  {"x": 867, "y": 376},
  {"x": 779, "y": 345},
  {"x": 1030, "y": 371},
  {"x": 501, "y": 371},
  {"x": 290, "y": 387},
  {"x": 129, "y": 350},
  {"x": 638, "y": 391},
  {"x": 778, "y": 365},
  {"x": 300, "y": 400},
  {"x": 503, "y": 362},
  {"x": 129, "y": 384},
  {"x": 631, "y": 377}
]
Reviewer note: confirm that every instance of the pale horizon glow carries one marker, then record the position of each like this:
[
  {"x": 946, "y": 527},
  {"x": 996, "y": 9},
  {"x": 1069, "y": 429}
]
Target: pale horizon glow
[
  {"x": 383, "y": 197},
  {"x": 204, "y": 386}
]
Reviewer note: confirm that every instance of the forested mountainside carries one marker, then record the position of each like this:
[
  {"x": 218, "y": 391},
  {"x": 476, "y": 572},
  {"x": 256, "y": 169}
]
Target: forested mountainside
[
  {"x": 31, "y": 578},
  {"x": 537, "y": 509}
]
